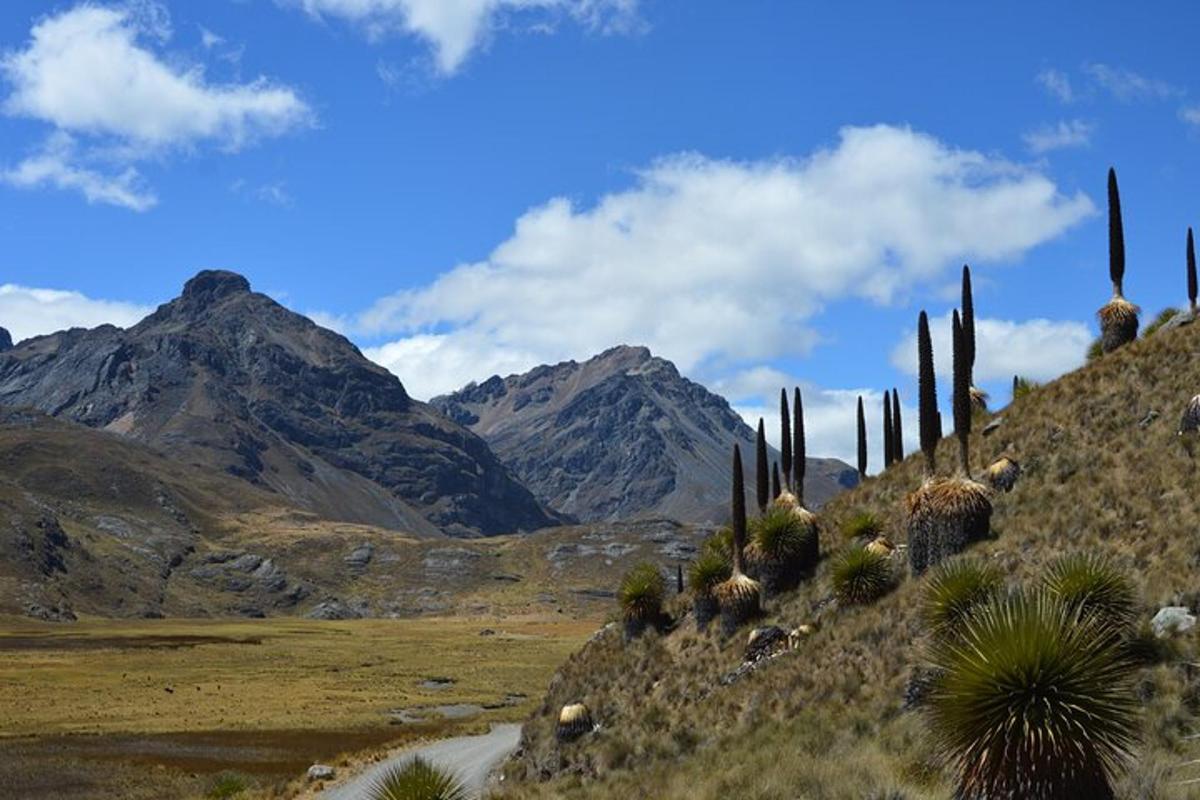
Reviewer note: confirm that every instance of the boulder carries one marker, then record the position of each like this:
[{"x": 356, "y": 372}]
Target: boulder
[
  {"x": 1171, "y": 620},
  {"x": 320, "y": 772}
]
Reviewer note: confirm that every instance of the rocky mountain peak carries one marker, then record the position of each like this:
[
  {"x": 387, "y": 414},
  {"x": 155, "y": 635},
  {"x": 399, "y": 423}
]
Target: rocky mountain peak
[
  {"x": 6, "y": 340},
  {"x": 212, "y": 285}
]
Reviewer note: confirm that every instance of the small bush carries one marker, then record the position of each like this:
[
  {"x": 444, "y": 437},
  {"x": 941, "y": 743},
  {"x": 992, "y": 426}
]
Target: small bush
[
  {"x": 641, "y": 596},
  {"x": 863, "y": 525},
  {"x": 1034, "y": 701},
  {"x": 1163, "y": 318},
  {"x": 1095, "y": 349},
  {"x": 417, "y": 780},
  {"x": 1092, "y": 584},
  {"x": 954, "y": 589},
  {"x": 860, "y": 577},
  {"x": 227, "y": 785}
]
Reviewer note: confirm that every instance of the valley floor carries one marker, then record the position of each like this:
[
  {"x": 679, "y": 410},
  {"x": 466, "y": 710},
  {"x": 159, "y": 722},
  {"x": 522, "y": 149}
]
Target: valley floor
[{"x": 191, "y": 708}]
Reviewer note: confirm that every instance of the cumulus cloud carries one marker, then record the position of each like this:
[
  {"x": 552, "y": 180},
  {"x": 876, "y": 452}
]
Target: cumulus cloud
[
  {"x": 716, "y": 264},
  {"x": 26, "y": 311},
  {"x": 1074, "y": 133},
  {"x": 94, "y": 71},
  {"x": 1190, "y": 115},
  {"x": 55, "y": 165},
  {"x": 1057, "y": 84},
  {"x": 456, "y": 27},
  {"x": 1040, "y": 349}
]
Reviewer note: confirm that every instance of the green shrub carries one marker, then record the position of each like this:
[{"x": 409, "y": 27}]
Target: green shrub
[
  {"x": 709, "y": 569},
  {"x": 780, "y": 534},
  {"x": 720, "y": 543},
  {"x": 1092, "y": 584},
  {"x": 1163, "y": 318},
  {"x": 863, "y": 525},
  {"x": 227, "y": 785},
  {"x": 1034, "y": 701},
  {"x": 1095, "y": 349},
  {"x": 417, "y": 780},
  {"x": 641, "y": 594},
  {"x": 861, "y": 577},
  {"x": 954, "y": 589}
]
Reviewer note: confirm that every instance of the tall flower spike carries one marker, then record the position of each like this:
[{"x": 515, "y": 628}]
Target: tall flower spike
[{"x": 927, "y": 396}]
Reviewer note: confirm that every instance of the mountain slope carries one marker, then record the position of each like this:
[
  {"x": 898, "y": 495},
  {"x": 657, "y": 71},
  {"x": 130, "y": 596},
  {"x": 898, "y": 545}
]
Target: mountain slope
[
  {"x": 1104, "y": 471},
  {"x": 226, "y": 378},
  {"x": 621, "y": 435}
]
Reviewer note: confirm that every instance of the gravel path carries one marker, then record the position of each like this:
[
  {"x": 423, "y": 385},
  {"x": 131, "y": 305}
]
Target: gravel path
[{"x": 472, "y": 759}]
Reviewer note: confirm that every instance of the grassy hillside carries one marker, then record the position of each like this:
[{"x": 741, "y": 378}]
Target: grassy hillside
[{"x": 1104, "y": 471}]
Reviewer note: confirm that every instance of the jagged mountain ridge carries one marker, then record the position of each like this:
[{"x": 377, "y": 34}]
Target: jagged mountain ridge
[
  {"x": 618, "y": 436},
  {"x": 226, "y": 378}
]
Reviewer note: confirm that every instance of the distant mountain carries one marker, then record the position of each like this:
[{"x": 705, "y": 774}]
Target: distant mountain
[
  {"x": 619, "y": 436},
  {"x": 226, "y": 378}
]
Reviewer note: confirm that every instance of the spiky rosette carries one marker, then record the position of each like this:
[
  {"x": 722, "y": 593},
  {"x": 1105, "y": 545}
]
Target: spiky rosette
[
  {"x": 780, "y": 546},
  {"x": 861, "y": 576},
  {"x": 574, "y": 720},
  {"x": 417, "y": 780},
  {"x": 954, "y": 589},
  {"x": 740, "y": 600},
  {"x": 1092, "y": 584},
  {"x": 641, "y": 597},
  {"x": 1033, "y": 701},
  {"x": 1118, "y": 323},
  {"x": 944, "y": 516},
  {"x": 1003, "y": 474},
  {"x": 710, "y": 569}
]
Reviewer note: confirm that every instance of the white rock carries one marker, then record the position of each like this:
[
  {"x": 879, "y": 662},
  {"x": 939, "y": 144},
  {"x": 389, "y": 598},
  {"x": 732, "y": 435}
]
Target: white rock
[
  {"x": 1172, "y": 619},
  {"x": 320, "y": 772}
]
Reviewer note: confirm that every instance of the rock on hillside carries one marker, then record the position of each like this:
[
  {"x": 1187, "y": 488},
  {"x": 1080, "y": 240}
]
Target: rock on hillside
[
  {"x": 227, "y": 378},
  {"x": 621, "y": 435}
]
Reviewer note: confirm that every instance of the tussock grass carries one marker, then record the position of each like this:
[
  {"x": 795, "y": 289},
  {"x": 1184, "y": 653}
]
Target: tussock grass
[
  {"x": 860, "y": 576},
  {"x": 1092, "y": 584},
  {"x": 417, "y": 780},
  {"x": 954, "y": 588}
]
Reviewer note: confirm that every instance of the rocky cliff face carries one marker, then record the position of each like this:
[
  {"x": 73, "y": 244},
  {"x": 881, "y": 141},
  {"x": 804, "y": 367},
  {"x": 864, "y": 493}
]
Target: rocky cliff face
[
  {"x": 619, "y": 436},
  {"x": 224, "y": 377}
]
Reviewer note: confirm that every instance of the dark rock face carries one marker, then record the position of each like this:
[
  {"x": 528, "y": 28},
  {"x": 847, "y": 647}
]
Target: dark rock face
[
  {"x": 622, "y": 435},
  {"x": 227, "y": 378}
]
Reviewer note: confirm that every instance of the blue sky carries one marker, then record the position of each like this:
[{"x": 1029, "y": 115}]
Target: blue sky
[{"x": 761, "y": 191}]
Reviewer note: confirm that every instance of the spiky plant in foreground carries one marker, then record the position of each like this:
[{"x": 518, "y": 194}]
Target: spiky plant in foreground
[
  {"x": 762, "y": 477},
  {"x": 708, "y": 571},
  {"x": 1032, "y": 702},
  {"x": 417, "y": 780},
  {"x": 799, "y": 453},
  {"x": 1118, "y": 317},
  {"x": 738, "y": 597},
  {"x": 897, "y": 428},
  {"x": 888, "y": 438},
  {"x": 1092, "y": 584},
  {"x": 860, "y": 576},
  {"x": 641, "y": 597},
  {"x": 954, "y": 589},
  {"x": 781, "y": 547}
]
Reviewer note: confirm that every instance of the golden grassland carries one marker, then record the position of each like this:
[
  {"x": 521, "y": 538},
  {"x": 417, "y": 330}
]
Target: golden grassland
[
  {"x": 130, "y": 708},
  {"x": 1101, "y": 473}
]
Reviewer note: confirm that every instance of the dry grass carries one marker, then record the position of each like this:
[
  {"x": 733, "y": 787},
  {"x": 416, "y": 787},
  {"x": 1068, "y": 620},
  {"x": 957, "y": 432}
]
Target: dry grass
[
  {"x": 1100, "y": 474},
  {"x": 160, "y": 700}
]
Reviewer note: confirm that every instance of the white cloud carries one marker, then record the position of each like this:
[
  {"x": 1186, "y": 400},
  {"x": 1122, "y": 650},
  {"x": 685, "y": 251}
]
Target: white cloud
[
  {"x": 432, "y": 364},
  {"x": 55, "y": 166},
  {"x": 28, "y": 312},
  {"x": 456, "y": 27},
  {"x": 1126, "y": 85},
  {"x": 93, "y": 72},
  {"x": 830, "y": 415},
  {"x": 209, "y": 39},
  {"x": 716, "y": 264},
  {"x": 1074, "y": 133},
  {"x": 1057, "y": 84},
  {"x": 1190, "y": 115},
  {"x": 1039, "y": 349}
]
